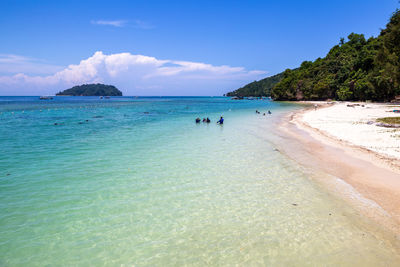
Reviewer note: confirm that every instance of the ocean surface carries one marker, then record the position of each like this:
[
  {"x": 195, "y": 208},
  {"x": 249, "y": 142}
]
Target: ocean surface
[{"x": 136, "y": 182}]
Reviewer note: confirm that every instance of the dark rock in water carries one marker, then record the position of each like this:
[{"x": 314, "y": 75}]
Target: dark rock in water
[
  {"x": 86, "y": 120},
  {"x": 55, "y": 123},
  {"x": 80, "y": 122},
  {"x": 8, "y": 174},
  {"x": 97, "y": 117}
]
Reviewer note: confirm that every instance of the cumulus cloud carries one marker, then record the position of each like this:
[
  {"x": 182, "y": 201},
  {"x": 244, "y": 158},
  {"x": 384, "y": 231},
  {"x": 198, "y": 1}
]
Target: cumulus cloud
[
  {"x": 115, "y": 23},
  {"x": 135, "y": 75}
]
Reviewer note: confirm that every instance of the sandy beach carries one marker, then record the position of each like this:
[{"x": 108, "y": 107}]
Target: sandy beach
[
  {"x": 356, "y": 124},
  {"x": 345, "y": 141}
]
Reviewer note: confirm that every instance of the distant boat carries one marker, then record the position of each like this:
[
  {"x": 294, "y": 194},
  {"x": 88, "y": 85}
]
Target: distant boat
[
  {"x": 46, "y": 97},
  {"x": 237, "y": 98},
  {"x": 101, "y": 97}
]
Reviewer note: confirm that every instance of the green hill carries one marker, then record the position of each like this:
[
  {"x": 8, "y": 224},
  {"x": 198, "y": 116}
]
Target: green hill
[
  {"x": 258, "y": 88},
  {"x": 356, "y": 69},
  {"x": 92, "y": 90}
]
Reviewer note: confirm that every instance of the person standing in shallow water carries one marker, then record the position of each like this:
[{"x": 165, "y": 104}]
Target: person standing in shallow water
[{"x": 221, "y": 120}]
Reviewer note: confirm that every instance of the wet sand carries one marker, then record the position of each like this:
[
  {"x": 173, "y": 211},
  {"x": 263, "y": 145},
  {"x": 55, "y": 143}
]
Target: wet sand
[{"x": 374, "y": 178}]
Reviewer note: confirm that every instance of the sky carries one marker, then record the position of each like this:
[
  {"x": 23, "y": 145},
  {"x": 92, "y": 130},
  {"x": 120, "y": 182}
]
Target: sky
[{"x": 170, "y": 47}]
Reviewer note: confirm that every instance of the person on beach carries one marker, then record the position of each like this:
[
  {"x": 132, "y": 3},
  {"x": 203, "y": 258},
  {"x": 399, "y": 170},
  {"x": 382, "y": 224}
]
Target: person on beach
[
  {"x": 269, "y": 112},
  {"x": 221, "y": 120},
  {"x": 208, "y": 120},
  {"x": 204, "y": 120},
  {"x": 197, "y": 120}
]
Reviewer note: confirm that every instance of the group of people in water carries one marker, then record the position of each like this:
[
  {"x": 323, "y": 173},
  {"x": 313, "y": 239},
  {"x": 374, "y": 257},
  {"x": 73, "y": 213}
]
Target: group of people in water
[
  {"x": 207, "y": 120},
  {"x": 258, "y": 112},
  {"x": 221, "y": 120}
]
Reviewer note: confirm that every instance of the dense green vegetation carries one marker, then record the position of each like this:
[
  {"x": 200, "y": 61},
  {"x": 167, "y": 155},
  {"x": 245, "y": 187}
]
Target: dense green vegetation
[
  {"x": 92, "y": 90},
  {"x": 358, "y": 69},
  {"x": 389, "y": 120},
  {"x": 355, "y": 69},
  {"x": 258, "y": 88}
]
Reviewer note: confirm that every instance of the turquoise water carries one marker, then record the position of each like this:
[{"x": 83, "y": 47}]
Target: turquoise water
[{"x": 123, "y": 182}]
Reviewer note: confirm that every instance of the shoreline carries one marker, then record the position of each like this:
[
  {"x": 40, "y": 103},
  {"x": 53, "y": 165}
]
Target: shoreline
[{"x": 373, "y": 177}]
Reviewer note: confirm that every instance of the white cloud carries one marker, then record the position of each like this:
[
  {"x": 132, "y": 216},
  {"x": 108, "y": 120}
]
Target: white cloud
[
  {"x": 135, "y": 75},
  {"x": 115, "y": 23},
  {"x": 138, "y": 24}
]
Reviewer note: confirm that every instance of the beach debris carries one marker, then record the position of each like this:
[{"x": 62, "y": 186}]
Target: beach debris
[
  {"x": 275, "y": 149},
  {"x": 389, "y": 122},
  {"x": 388, "y": 125},
  {"x": 294, "y": 204},
  {"x": 370, "y": 122}
]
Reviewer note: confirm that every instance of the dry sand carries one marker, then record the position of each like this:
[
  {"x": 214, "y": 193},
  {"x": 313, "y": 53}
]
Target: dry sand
[
  {"x": 346, "y": 143},
  {"x": 356, "y": 125}
]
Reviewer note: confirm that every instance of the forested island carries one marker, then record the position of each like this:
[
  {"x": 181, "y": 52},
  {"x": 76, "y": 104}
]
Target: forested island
[
  {"x": 92, "y": 90},
  {"x": 258, "y": 88},
  {"x": 355, "y": 69}
]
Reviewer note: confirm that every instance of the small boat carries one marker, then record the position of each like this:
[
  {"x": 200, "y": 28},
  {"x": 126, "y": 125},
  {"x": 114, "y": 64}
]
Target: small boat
[{"x": 46, "y": 98}]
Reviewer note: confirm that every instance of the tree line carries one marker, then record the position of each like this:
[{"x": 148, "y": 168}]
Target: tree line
[{"x": 355, "y": 69}]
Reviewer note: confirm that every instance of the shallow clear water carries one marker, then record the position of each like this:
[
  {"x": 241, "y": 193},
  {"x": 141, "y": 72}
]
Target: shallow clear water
[{"x": 136, "y": 182}]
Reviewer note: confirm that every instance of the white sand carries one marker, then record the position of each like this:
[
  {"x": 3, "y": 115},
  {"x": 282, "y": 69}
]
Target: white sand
[{"x": 350, "y": 124}]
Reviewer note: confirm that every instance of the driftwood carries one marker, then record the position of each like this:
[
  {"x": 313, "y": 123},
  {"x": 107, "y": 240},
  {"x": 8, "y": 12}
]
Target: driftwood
[{"x": 388, "y": 125}]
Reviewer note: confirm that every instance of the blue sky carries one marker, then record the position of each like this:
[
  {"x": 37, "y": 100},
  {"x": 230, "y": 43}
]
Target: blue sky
[{"x": 193, "y": 47}]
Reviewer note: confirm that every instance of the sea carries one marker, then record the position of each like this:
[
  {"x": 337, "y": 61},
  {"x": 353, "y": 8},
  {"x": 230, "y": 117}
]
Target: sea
[{"x": 134, "y": 181}]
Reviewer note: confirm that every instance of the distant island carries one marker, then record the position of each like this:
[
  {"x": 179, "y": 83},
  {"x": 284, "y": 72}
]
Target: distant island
[
  {"x": 97, "y": 89},
  {"x": 355, "y": 69},
  {"x": 258, "y": 88}
]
